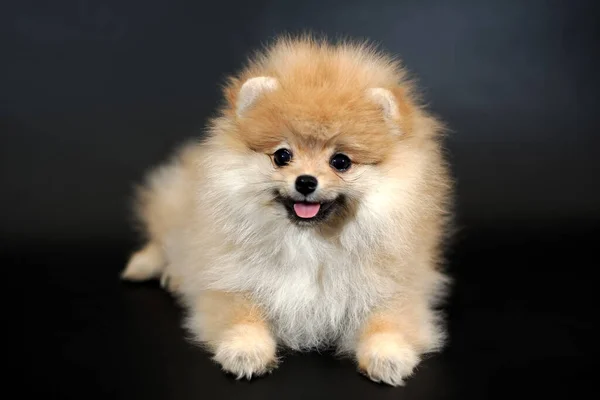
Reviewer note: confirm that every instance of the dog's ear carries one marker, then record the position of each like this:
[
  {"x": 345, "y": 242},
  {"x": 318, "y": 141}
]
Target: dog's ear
[
  {"x": 394, "y": 107},
  {"x": 243, "y": 99}
]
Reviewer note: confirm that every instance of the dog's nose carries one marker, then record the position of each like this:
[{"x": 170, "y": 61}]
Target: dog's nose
[{"x": 306, "y": 184}]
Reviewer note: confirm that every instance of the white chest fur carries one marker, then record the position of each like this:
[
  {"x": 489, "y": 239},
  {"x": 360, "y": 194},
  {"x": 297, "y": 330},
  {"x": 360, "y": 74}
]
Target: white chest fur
[{"x": 315, "y": 292}]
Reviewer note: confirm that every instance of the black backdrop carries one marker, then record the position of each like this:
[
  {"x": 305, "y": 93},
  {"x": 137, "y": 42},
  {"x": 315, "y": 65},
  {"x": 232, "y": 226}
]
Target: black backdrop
[{"x": 94, "y": 92}]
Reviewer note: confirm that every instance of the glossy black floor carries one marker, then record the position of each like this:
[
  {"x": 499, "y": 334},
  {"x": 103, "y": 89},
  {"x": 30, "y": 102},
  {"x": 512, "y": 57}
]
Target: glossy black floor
[{"x": 519, "y": 316}]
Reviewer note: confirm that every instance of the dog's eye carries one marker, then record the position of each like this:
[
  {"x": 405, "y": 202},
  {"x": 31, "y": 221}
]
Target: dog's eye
[
  {"x": 341, "y": 162},
  {"x": 282, "y": 157}
]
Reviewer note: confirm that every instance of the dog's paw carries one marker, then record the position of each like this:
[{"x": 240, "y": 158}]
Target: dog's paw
[
  {"x": 247, "y": 351},
  {"x": 145, "y": 264},
  {"x": 387, "y": 358}
]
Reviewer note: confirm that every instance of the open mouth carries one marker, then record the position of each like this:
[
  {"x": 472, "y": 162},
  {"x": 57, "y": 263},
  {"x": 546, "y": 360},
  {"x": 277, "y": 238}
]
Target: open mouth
[{"x": 304, "y": 212}]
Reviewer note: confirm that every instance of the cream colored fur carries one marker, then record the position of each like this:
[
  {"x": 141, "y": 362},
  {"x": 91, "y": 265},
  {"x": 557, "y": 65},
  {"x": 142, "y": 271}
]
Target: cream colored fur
[{"x": 250, "y": 279}]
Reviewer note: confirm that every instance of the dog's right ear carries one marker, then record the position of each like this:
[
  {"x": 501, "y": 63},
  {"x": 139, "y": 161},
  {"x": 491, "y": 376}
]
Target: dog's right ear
[
  {"x": 396, "y": 111},
  {"x": 247, "y": 95}
]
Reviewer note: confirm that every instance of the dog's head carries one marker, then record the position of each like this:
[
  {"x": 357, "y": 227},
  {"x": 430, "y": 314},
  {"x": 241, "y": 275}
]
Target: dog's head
[
  {"x": 315, "y": 137},
  {"x": 320, "y": 152}
]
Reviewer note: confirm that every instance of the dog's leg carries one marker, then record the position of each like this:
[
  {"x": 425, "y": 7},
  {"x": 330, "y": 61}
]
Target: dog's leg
[
  {"x": 148, "y": 263},
  {"x": 392, "y": 341},
  {"x": 236, "y": 331}
]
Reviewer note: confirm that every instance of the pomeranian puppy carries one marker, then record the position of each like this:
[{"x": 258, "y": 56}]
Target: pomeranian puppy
[{"x": 311, "y": 214}]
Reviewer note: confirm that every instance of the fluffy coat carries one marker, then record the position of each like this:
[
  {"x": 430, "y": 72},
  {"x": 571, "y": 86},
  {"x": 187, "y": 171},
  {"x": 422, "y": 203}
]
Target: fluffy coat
[{"x": 368, "y": 278}]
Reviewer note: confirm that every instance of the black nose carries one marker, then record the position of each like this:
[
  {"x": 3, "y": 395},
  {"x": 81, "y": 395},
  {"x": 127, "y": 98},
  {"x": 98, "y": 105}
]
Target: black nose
[{"x": 306, "y": 184}]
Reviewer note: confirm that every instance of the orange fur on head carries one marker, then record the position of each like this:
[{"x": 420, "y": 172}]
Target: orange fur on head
[{"x": 340, "y": 110}]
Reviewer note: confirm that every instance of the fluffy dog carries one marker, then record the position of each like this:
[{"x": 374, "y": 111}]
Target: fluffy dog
[{"x": 311, "y": 214}]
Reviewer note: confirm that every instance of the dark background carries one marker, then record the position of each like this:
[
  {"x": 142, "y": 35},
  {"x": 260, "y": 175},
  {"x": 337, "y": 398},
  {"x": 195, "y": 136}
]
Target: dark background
[{"x": 94, "y": 92}]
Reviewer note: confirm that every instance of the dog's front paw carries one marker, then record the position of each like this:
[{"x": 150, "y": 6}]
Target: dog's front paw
[
  {"x": 247, "y": 350},
  {"x": 386, "y": 357}
]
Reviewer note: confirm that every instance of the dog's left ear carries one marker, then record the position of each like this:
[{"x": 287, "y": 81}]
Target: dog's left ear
[
  {"x": 394, "y": 108},
  {"x": 250, "y": 92}
]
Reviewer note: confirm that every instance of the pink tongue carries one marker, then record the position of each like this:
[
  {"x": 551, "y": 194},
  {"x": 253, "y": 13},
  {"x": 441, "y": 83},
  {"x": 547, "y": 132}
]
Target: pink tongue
[{"x": 306, "y": 210}]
